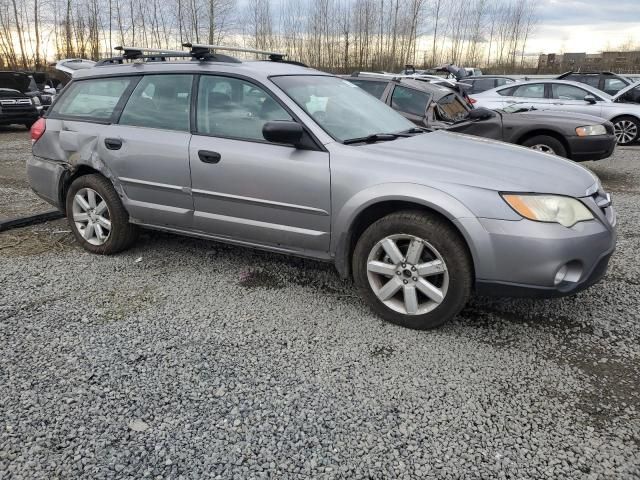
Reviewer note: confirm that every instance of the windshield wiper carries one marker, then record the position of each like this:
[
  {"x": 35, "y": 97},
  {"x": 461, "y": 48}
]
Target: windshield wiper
[{"x": 376, "y": 137}]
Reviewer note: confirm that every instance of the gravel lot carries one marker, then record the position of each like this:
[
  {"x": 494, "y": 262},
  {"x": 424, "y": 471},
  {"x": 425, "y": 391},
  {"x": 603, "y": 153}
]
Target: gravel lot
[{"x": 190, "y": 359}]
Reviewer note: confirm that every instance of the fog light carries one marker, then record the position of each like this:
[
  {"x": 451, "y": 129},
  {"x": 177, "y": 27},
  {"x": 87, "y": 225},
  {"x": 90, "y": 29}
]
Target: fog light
[{"x": 560, "y": 275}]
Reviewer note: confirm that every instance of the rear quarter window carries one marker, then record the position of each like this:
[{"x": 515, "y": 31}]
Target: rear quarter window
[
  {"x": 94, "y": 99},
  {"x": 374, "y": 88}
]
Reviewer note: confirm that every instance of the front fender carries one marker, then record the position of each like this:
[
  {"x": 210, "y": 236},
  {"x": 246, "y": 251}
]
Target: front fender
[{"x": 420, "y": 195}]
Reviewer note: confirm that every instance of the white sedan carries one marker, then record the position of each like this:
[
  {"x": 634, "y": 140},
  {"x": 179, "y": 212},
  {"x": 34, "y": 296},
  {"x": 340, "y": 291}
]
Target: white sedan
[{"x": 569, "y": 97}]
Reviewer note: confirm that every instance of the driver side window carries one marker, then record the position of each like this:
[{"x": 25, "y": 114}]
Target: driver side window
[{"x": 231, "y": 107}]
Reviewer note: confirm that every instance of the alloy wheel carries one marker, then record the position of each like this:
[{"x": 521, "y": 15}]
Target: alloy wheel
[
  {"x": 543, "y": 148},
  {"x": 625, "y": 131},
  {"x": 407, "y": 274},
  {"x": 91, "y": 216}
]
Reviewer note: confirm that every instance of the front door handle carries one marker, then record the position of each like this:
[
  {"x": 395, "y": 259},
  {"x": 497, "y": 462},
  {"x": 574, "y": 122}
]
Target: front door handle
[
  {"x": 209, "y": 157},
  {"x": 113, "y": 143}
]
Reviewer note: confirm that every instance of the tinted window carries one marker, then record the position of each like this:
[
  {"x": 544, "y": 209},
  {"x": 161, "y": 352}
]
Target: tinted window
[
  {"x": 483, "y": 84},
  {"x": 506, "y": 92},
  {"x": 409, "y": 101},
  {"x": 91, "y": 99},
  {"x": 229, "y": 107},
  {"x": 160, "y": 101},
  {"x": 567, "y": 92},
  {"x": 632, "y": 96},
  {"x": 533, "y": 90},
  {"x": 613, "y": 85},
  {"x": 503, "y": 81},
  {"x": 374, "y": 88}
]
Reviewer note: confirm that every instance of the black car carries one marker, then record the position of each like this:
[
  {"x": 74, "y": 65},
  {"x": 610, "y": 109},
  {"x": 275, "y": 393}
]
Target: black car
[
  {"x": 574, "y": 136},
  {"x": 486, "y": 82},
  {"x": 609, "y": 82},
  {"x": 19, "y": 102}
]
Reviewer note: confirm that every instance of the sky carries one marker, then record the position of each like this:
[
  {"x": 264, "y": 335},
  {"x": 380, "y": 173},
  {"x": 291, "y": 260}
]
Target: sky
[{"x": 585, "y": 25}]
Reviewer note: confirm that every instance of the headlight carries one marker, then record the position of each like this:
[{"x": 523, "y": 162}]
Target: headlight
[
  {"x": 566, "y": 211},
  {"x": 589, "y": 130},
  {"x": 35, "y": 100}
]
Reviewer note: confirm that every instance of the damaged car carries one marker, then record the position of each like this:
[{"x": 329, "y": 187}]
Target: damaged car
[
  {"x": 437, "y": 106},
  {"x": 19, "y": 101}
]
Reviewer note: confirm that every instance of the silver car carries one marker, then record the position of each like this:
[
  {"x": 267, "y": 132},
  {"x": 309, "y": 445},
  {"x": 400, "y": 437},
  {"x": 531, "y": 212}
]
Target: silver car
[
  {"x": 569, "y": 96},
  {"x": 276, "y": 156}
]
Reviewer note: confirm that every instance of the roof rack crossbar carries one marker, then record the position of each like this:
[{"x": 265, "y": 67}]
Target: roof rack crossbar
[
  {"x": 201, "y": 50},
  {"x": 137, "y": 52}
]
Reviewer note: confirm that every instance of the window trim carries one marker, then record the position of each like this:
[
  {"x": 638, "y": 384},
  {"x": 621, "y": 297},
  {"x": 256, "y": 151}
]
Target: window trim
[
  {"x": 107, "y": 121},
  {"x": 194, "y": 99}
]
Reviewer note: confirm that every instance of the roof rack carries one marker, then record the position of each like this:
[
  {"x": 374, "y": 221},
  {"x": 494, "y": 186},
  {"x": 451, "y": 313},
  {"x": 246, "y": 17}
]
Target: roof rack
[{"x": 201, "y": 51}]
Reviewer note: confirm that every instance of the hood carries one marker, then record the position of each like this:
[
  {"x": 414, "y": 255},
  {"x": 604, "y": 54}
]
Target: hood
[
  {"x": 445, "y": 157},
  {"x": 625, "y": 90},
  {"x": 15, "y": 81},
  {"x": 11, "y": 93}
]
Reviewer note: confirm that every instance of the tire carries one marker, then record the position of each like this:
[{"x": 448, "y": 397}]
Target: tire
[
  {"x": 547, "y": 144},
  {"x": 119, "y": 236},
  {"x": 626, "y": 129},
  {"x": 441, "y": 245}
]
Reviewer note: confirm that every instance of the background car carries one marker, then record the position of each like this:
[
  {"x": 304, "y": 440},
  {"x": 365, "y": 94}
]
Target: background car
[
  {"x": 486, "y": 82},
  {"x": 566, "y": 96},
  {"x": 439, "y": 107},
  {"x": 19, "y": 102},
  {"x": 609, "y": 82}
]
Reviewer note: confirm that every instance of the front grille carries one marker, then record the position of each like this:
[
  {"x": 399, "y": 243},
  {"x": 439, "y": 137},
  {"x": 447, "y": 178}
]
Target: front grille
[{"x": 16, "y": 105}]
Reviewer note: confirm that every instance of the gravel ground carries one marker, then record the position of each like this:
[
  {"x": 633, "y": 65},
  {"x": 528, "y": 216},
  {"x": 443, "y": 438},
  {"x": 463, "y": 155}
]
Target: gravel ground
[{"x": 190, "y": 359}]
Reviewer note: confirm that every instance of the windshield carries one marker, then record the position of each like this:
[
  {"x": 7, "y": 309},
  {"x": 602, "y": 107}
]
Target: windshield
[{"x": 341, "y": 108}]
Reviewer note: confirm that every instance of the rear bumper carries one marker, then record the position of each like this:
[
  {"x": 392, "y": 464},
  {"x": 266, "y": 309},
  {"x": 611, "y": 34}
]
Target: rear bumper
[
  {"x": 591, "y": 148},
  {"x": 45, "y": 179},
  {"x": 523, "y": 258}
]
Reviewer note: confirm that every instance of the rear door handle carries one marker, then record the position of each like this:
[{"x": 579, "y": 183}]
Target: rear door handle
[
  {"x": 209, "y": 157},
  {"x": 113, "y": 143}
]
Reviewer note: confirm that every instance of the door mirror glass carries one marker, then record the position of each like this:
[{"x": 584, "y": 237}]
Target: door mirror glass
[
  {"x": 590, "y": 99},
  {"x": 286, "y": 132}
]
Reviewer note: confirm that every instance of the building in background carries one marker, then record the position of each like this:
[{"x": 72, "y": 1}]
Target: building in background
[{"x": 619, "y": 62}]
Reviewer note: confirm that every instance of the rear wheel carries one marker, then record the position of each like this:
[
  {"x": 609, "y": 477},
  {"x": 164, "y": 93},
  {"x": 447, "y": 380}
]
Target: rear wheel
[
  {"x": 626, "y": 130},
  {"x": 546, "y": 144},
  {"x": 413, "y": 269},
  {"x": 97, "y": 217}
]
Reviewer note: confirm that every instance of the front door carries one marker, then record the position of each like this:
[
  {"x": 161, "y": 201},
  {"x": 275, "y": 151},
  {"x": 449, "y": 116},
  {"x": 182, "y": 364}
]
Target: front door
[
  {"x": 570, "y": 98},
  {"x": 247, "y": 189}
]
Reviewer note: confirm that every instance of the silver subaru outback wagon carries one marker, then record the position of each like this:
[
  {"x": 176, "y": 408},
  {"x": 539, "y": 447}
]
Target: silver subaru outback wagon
[{"x": 271, "y": 155}]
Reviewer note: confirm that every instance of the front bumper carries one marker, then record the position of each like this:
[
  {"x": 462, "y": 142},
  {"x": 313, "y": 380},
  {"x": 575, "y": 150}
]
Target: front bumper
[
  {"x": 522, "y": 258},
  {"x": 596, "y": 147},
  {"x": 8, "y": 118}
]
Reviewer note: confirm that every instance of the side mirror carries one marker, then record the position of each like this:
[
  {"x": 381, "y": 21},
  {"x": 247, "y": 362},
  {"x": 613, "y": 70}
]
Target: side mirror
[
  {"x": 481, "y": 113},
  {"x": 284, "y": 131},
  {"x": 590, "y": 99}
]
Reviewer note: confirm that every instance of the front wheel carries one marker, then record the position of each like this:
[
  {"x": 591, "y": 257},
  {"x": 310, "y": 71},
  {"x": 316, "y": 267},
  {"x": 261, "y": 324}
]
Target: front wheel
[
  {"x": 413, "y": 269},
  {"x": 546, "y": 144},
  {"x": 626, "y": 130}
]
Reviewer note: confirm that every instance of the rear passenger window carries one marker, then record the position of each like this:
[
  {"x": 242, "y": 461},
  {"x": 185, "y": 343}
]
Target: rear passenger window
[
  {"x": 91, "y": 99},
  {"x": 483, "y": 84},
  {"x": 229, "y": 107},
  {"x": 160, "y": 101}
]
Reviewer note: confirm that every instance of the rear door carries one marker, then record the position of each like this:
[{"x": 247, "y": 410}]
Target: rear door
[
  {"x": 246, "y": 188},
  {"x": 148, "y": 150},
  {"x": 530, "y": 94}
]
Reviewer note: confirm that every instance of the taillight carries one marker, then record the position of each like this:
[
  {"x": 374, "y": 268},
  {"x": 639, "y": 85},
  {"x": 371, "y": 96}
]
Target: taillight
[
  {"x": 472, "y": 100},
  {"x": 37, "y": 129}
]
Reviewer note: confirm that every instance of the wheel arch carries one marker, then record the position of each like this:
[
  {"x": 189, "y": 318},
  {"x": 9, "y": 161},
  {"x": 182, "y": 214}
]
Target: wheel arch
[
  {"x": 548, "y": 132},
  {"x": 352, "y": 222}
]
